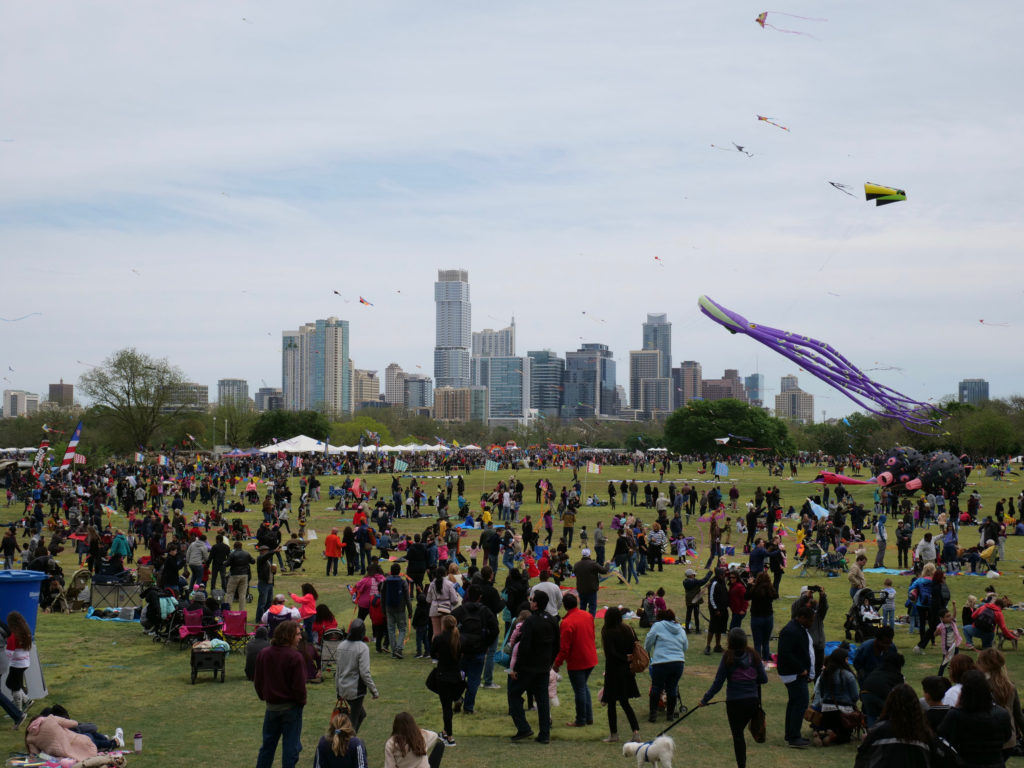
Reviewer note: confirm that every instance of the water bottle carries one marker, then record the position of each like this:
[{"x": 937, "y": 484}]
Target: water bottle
[{"x": 138, "y": 741}]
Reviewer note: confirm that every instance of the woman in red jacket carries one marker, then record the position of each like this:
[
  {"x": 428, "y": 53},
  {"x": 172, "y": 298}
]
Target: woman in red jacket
[
  {"x": 738, "y": 602},
  {"x": 332, "y": 551}
]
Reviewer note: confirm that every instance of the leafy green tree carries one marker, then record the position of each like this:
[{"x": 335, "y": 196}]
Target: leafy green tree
[
  {"x": 141, "y": 393},
  {"x": 234, "y": 419},
  {"x": 286, "y": 424},
  {"x": 693, "y": 429},
  {"x": 349, "y": 432}
]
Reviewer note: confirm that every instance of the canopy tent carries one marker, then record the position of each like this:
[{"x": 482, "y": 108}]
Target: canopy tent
[{"x": 297, "y": 444}]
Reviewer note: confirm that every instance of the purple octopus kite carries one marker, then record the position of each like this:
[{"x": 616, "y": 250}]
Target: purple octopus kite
[{"x": 822, "y": 361}]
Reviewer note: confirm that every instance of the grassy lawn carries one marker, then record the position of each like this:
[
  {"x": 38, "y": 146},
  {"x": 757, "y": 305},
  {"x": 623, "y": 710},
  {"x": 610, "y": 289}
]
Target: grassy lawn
[{"x": 112, "y": 674}]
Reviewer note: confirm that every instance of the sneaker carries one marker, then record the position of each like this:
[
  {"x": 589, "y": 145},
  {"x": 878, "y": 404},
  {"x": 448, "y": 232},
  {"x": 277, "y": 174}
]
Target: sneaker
[
  {"x": 449, "y": 741},
  {"x": 543, "y": 740},
  {"x": 918, "y": 651},
  {"x": 20, "y": 719},
  {"x": 418, "y": 656},
  {"x": 707, "y": 651},
  {"x": 492, "y": 687},
  {"x": 119, "y": 737},
  {"x": 521, "y": 735},
  {"x": 799, "y": 743}
]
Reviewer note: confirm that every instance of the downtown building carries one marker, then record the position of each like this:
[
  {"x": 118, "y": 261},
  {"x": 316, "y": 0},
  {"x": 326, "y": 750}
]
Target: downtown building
[
  {"x": 316, "y": 373},
  {"x": 62, "y": 395},
  {"x": 687, "y": 383},
  {"x": 269, "y": 399},
  {"x": 17, "y": 403},
  {"x": 453, "y": 341},
  {"x": 589, "y": 383},
  {"x": 491, "y": 343},
  {"x": 507, "y": 380},
  {"x": 233, "y": 392},
  {"x": 547, "y": 370},
  {"x": 972, "y": 391},
  {"x": 792, "y": 403},
  {"x": 649, "y": 392},
  {"x": 730, "y": 386},
  {"x": 418, "y": 392},
  {"x": 754, "y": 384},
  {"x": 460, "y": 404},
  {"x": 365, "y": 387}
]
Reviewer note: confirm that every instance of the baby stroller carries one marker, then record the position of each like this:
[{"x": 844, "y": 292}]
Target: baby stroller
[
  {"x": 864, "y": 618},
  {"x": 295, "y": 554},
  {"x": 157, "y": 618}
]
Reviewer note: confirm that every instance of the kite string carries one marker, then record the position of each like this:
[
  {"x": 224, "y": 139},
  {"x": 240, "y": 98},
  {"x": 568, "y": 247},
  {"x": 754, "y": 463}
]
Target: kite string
[{"x": 794, "y": 16}]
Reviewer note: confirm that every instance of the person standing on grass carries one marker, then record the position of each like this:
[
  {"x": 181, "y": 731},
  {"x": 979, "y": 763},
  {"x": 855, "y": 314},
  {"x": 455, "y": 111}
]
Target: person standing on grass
[
  {"x": 238, "y": 564},
  {"x": 796, "y": 670},
  {"x": 446, "y": 648},
  {"x": 618, "y": 640},
  {"x": 352, "y": 676},
  {"x": 332, "y": 551},
  {"x": 577, "y": 648},
  {"x": 531, "y": 668},
  {"x": 394, "y": 591},
  {"x": 478, "y": 627},
  {"x": 666, "y": 642},
  {"x": 280, "y": 682}
]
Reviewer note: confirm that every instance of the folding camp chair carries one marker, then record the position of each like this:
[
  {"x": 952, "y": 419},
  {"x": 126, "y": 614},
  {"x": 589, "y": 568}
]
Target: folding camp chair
[
  {"x": 192, "y": 630},
  {"x": 235, "y": 632}
]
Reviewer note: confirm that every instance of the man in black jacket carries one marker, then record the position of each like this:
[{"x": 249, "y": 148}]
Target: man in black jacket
[
  {"x": 796, "y": 670},
  {"x": 718, "y": 610},
  {"x": 587, "y": 573},
  {"x": 478, "y": 628},
  {"x": 490, "y": 597},
  {"x": 538, "y": 646}
]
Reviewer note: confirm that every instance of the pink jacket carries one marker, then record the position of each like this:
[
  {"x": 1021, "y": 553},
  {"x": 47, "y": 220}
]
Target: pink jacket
[
  {"x": 52, "y": 735},
  {"x": 366, "y": 588},
  {"x": 306, "y": 603}
]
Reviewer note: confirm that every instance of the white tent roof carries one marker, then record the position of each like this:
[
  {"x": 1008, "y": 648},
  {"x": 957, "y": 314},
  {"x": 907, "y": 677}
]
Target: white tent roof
[{"x": 298, "y": 444}]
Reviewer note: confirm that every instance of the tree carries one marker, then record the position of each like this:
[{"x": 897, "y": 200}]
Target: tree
[
  {"x": 140, "y": 393},
  {"x": 285, "y": 424},
  {"x": 235, "y": 419},
  {"x": 349, "y": 432},
  {"x": 693, "y": 429}
]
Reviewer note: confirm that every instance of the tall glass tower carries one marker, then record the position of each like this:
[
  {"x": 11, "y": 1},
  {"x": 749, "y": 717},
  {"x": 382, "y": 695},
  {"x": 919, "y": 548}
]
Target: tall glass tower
[{"x": 454, "y": 340}]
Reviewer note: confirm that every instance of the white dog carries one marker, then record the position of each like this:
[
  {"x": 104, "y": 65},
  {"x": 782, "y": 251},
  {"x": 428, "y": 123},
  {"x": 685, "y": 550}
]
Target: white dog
[{"x": 659, "y": 751}]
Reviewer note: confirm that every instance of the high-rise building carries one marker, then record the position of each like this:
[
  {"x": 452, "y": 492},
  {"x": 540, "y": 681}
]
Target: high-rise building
[
  {"x": 658, "y": 335},
  {"x": 508, "y": 388},
  {"x": 267, "y": 397},
  {"x": 454, "y": 339},
  {"x": 460, "y": 404},
  {"x": 648, "y": 390},
  {"x": 730, "y": 386},
  {"x": 500, "y": 343},
  {"x": 546, "y": 373},
  {"x": 687, "y": 381},
  {"x": 589, "y": 383},
  {"x": 187, "y": 396},
  {"x": 793, "y": 404},
  {"x": 17, "y": 402},
  {"x": 233, "y": 392},
  {"x": 365, "y": 386},
  {"x": 394, "y": 385},
  {"x": 754, "y": 384},
  {"x": 419, "y": 391},
  {"x": 973, "y": 391},
  {"x": 316, "y": 374},
  {"x": 62, "y": 394}
]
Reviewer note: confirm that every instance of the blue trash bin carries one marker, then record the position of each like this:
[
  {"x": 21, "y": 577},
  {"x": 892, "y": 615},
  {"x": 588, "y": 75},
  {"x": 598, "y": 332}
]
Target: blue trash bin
[{"x": 19, "y": 591}]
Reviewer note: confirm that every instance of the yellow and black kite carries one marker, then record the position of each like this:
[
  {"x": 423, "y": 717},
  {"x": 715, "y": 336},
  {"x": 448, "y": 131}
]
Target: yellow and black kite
[{"x": 883, "y": 195}]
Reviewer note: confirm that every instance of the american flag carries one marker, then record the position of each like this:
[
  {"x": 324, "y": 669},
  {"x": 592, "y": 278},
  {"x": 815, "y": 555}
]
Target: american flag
[
  {"x": 79, "y": 459},
  {"x": 139, "y": 457},
  {"x": 69, "y": 454},
  {"x": 593, "y": 468},
  {"x": 162, "y": 461}
]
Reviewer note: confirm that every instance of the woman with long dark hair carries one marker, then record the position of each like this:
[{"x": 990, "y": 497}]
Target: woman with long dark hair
[
  {"x": 620, "y": 686},
  {"x": 442, "y": 596},
  {"x": 902, "y": 738},
  {"x": 940, "y": 598},
  {"x": 446, "y": 648},
  {"x": 977, "y": 727},
  {"x": 410, "y": 746},
  {"x": 835, "y": 694},
  {"x": 762, "y": 596},
  {"x": 742, "y": 672},
  {"x": 993, "y": 664}
]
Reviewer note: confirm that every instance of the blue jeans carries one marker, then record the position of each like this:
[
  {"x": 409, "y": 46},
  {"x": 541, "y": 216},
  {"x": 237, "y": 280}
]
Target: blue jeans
[
  {"x": 581, "y": 692},
  {"x": 588, "y": 602},
  {"x": 631, "y": 568},
  {"x": 396, "y": 628},
  {"x": 871, "y": 706},
  {"x": 795, "y": 707},
  {"x": 285, "y": 725},
  {"x": 970, "y": 633},
  {"x": 472, "y": 666},
  {"x": 536, "y": 682},
  {"x": 489, "y": 661},
  {"x": 665, "y": 677},
  {"x": 761, "y": 629},
  {"x": 889, "y": 616},
  {"x": 599, "y": 553},
  {"x": 265, "y": 594},
  {"x": 736, "y": 620}
]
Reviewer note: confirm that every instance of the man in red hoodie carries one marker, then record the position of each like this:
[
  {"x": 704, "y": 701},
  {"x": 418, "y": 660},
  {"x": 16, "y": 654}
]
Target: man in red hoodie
[
  {"x": 578, "y": 649},
  {"x": 280, "y": 681}
]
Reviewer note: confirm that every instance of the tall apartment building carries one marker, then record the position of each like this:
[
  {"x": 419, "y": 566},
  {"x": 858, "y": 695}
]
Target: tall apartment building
[
  {"x": 754, "y": 384},
  {"x": 789, "y": 383},
  {"x": 269, "y": 399},
  {"x": 188, "y": 396},
  {"x": 17, "y": 402},
  {"x": 365, "y": 386},
  {"x": 730, "y": 386},
  {"x": 453, "y": 342},
  {"x": 793, "y": 404},
  {"x": 394, "y": 385},
  {"x": 687, "y": 382},
  {"x": 233, "y": 392},
  {"x": 972, "y": 391},
  {"x": 648, "y": 390},
  {"x": 508, "y": 388},
  {"x": 460, "y": 404},
  {"x": 316, "y": 371},
  {"x": 419, "y": 391},
  {"x": 491, "y": 343},
  {"x": 546, "y": 373},
  {"x": 62, "y": 394},
  {"x": 589, "y": 383}
]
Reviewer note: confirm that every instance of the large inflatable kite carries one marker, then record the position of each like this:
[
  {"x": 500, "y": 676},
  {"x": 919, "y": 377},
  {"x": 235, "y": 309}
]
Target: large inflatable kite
[
  {"x": 822, "y": 361},
  {"x": 882, "y": 195}
]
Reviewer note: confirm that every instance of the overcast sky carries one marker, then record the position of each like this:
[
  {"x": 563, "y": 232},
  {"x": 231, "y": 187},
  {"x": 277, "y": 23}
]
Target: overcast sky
[{"x": 191, "y": 179}]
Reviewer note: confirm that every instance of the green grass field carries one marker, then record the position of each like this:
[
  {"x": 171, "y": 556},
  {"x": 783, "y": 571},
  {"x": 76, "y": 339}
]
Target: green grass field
[{"x": 114, "y": 675}]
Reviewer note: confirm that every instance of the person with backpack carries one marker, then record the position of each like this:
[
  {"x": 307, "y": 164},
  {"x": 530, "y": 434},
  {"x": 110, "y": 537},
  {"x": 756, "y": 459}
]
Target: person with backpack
[
  {"x": 478, "y": 628},
  {"x": 985, "y": 620},
  {"x": 940, "y": 597},
  {"x": 397, "y": 607}
]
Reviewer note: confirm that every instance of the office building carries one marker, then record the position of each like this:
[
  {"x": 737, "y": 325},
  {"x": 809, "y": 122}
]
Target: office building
[
  {"x": 365, "y": 387},
  {"x": 589, "y": 383},
  {"x": 267, "y": 398},
  {"x": 233, "y": 392},
  {"x": 17, "y": 402},
  {"x": 793, "y": 404},
  {"x": 418, "y": 391},
  {"x": 453, "y": 342},
  {"x": 648, "y": 390},
  {"x": 394, "y": 385},
  {"x": 507, "y": 380},
  {"x": 730, "y": 386},
  {"x": 789, "y": 383},
  {"x": 187, "y": 396},
  {"x": 658, "y": 335},
  {"x": 460, "y": 404},
  {"x": 972, "y": 391},
  {"x": 62, "y": 394},
  {"x": 754, "y": 384},
  {"x": 687, "y": 382},
  {"x": 546, "y": 373},
  {"x": 316, "y": 371},
  {"x": 490, "y": 343}
]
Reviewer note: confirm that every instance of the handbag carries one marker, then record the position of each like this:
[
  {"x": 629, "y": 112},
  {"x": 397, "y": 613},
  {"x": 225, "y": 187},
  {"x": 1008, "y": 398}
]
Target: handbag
[
  {"x": 433, "y": 681},
  {"x": 758, "y": 722},
  {"x": 853, "y": 720},
  {"x": 813, "y": 717},
  {"x": 638, "y": 659},
  {"x": 502, "y": 657}
]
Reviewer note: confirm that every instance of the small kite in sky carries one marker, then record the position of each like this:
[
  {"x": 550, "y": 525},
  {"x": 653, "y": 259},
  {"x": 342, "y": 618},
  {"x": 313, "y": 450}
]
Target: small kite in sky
[
  {"x": 741, "y": 437},
  {"x": 994, "y": 325},
  {"x": 844, "y": 188},
  {"x": 824, "y": 362},
  {"x": 661, "y": 261},
  {"x": 722, "y": 440},
  {"x": 16, "y": 319},
  {"x": 48, "y": 428},
  {"x": 364, "y": 301},
  {"x": 883, "y": 195},
  {"x": 737, "y": 147},
  {"x": 591, "y": 317},
  {"x": 769, "y": 120},
  {"x": 137, "y": 272},
  {"x": 762, "y": 19}
]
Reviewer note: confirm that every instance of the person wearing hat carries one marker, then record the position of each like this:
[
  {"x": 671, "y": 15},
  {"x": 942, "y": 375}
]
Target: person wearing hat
[
  {"x": 332, "y": 551},
  {"x": 587, "y": 573}
]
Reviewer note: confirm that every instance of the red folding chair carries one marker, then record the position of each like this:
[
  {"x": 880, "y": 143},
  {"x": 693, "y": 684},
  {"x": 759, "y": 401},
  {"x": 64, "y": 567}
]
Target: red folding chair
[
  {"x": 235, "y": 632},
  {"x": 193, "y": 629}
]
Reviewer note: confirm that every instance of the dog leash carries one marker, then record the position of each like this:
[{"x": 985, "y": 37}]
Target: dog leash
[{"x": 686, "y": 714}]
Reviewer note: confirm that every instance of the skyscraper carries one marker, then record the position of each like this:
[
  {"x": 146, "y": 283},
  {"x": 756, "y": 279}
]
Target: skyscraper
[
  {"x": 754, "y": 384},
  {"x": 658, "y": 335},
  {"x": 793, "y": 404},
  {"x": 730, "y": 386},
  {"x": 973, "y": 391},
  {"x": 454, "y": 339},
  {"x": 508, "y": 388},
  {"x": 688, "y": 382},
  {"x": 546, "y": 373},
  {"x": 419, "y": 391},
  {"x": 62, "y": 394},
  {"x": 589, "y": 382},
  {"x": 365, "y": 386},
  {"x": 648, "y": 390},
  {"x": 233, "y": 392},
  {"x": 491, "y": 343},
  {"x": 316, "y": 374},
  {"x": 394, "y": 385},
  {"x": 268, "y": 399},
  {"x": 20, "y": 403},
  {"x": 789, "y": 383}
]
